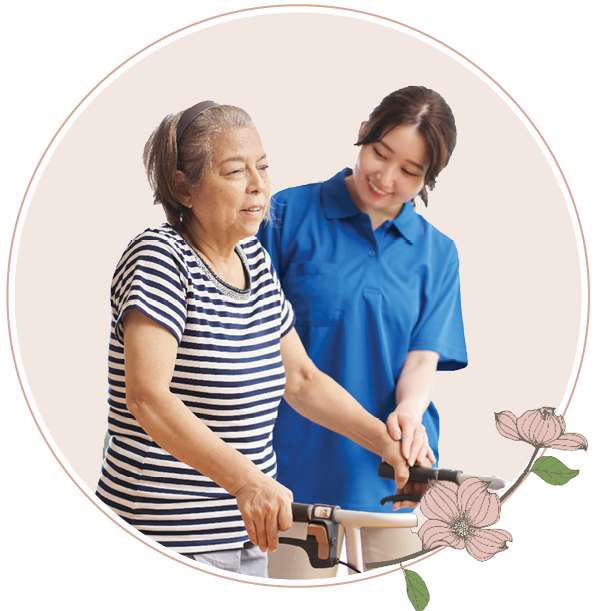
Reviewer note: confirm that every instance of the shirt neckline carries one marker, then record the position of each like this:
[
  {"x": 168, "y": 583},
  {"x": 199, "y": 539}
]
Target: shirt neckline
[{"x": 223, "y": 287}]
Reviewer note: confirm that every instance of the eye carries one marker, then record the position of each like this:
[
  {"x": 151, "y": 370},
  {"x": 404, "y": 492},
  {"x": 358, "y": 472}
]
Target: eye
[
  {"x": 405, "y": 171},
  {"x": 236, "y": 171},
  {"x": 263, "y": 168},
  {"x": 378, "y": 153}
]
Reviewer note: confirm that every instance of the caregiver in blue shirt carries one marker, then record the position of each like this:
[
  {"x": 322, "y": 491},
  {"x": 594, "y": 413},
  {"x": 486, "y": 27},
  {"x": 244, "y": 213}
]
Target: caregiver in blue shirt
[{"x": 375, "y": 289}]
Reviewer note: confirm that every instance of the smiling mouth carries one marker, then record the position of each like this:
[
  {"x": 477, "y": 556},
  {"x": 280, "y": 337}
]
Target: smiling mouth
[
  {"x": 253, "y": 209},
  {"x": 376, "y": 189}
]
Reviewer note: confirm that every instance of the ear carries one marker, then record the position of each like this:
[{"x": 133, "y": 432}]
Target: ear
[
  {"x": 361, "y": 131},
  {"x": 182, "y": 188}
]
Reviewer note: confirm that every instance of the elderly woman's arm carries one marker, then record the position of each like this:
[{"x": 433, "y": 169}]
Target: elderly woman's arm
[
  {"x": 413, "y": 395},
  {"x": 150, "y": 356},
  {"x": 319, "y": 398}
]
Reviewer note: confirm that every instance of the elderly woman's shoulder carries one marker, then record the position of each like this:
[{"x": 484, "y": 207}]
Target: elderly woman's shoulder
[{"x": 163, "y": 239}]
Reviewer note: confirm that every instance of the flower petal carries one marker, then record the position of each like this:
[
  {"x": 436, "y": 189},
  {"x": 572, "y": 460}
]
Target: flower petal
[
  {"x": 478, "y": 506},
  {"x": 569, "y": 441},
  {"x": 483, "y": 544},
  {"x": 506, "y": 423},
  {"x": 540, "y": 426},
  {"x": 440, "y": 501},
  {"x": 435, "y": 533}
]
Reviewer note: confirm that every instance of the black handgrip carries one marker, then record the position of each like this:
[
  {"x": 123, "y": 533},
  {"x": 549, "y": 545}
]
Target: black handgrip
[
  {"x": 421, "y": 474},
  {"x": 301, "y": 512}
]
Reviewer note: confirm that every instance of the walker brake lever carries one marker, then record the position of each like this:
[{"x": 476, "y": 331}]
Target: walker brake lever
[
  {"x": 413, "y": 498},
  {"x": 322, "y": 541}
]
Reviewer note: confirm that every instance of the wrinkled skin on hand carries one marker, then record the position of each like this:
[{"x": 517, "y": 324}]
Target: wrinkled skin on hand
[{"x": 266, "y": 509}]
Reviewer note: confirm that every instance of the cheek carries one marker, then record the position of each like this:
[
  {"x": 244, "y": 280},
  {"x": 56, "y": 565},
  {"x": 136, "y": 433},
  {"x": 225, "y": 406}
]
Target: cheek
[
  {"x": 416, "y": 187},
  {"x": 365, "y": 165}
]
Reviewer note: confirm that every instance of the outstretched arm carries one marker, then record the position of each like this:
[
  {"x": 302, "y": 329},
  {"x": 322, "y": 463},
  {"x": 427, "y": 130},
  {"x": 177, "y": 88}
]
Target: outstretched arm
[{"x": 319, "y": 398}]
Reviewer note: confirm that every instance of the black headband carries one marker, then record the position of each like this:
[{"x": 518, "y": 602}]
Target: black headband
[{"x": 189, "y": 115}]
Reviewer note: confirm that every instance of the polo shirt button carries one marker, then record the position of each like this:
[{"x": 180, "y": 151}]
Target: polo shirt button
[{"x": 372, "y": 253}]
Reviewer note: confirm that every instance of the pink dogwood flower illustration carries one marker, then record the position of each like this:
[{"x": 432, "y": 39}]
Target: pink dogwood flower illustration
[
  {"x": 456, "y": 516},
  {"x": 540, "y": 428}
]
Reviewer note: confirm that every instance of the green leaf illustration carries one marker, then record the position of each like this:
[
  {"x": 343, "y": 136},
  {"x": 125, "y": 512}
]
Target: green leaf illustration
[
  {"x": 553, "y": 471},
  {"x": 417, "y": 591}
]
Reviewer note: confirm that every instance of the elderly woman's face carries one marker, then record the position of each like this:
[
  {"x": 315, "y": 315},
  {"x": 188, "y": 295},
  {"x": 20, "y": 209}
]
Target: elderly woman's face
[{"x": 234, "y": 194}]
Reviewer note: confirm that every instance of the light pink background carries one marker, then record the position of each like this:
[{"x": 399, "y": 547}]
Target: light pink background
[{"x": 498, "y": 199}]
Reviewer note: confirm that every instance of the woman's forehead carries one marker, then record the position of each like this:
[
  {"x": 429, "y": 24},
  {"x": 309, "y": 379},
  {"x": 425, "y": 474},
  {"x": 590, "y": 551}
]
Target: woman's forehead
[{"x": 240, "y": 141}]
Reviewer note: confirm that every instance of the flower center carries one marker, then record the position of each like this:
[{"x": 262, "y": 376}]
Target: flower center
[{"x": 461, "y": 528}]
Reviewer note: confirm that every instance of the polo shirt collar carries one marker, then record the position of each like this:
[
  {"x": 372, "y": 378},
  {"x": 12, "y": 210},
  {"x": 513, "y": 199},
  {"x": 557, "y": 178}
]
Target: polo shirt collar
[
  {"x": 337, "y": 200},
  {"x": 409, "y": 223},
  {"x": 339, "y": 204}
]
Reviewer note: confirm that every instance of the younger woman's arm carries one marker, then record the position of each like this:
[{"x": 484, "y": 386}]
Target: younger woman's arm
[{"x": 413, "y": 395}]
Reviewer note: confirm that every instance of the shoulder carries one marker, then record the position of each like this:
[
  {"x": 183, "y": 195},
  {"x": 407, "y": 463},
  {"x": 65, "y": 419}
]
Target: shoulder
[
  {"x": 163, "y": 237},
  {"x": 162, "y": 245},
  {"x": 436, "y": 241},
  {"x": 296, "y": 201},
  {"x": 301, "y": 191},
  {"x": 255, "y": 253}
]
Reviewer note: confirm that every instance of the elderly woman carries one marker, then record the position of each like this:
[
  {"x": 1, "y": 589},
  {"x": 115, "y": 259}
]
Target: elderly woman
[{"x": 202, "y": 350}]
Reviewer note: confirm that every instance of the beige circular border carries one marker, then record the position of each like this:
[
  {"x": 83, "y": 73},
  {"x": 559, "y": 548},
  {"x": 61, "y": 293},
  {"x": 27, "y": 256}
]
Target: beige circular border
[{"x": 112, "y": 518}]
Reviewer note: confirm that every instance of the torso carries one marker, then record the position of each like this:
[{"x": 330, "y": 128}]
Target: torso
[{"x": 228, "y": 372}]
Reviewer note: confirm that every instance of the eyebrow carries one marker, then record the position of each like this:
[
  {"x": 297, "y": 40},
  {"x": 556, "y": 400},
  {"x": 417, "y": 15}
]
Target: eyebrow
[
  {"x": 239, "y": 158},
  {"x": 407, "y": 160}
]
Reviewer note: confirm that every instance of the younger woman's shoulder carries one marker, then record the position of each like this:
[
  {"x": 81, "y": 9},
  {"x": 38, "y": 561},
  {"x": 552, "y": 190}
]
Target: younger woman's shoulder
[
  {"x": 299, "y": 191},
  {"x": 436, "y": 238}
]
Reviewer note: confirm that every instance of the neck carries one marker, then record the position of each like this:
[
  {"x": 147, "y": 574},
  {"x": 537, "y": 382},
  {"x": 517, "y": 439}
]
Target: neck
[{"x": 221, "y": 257}]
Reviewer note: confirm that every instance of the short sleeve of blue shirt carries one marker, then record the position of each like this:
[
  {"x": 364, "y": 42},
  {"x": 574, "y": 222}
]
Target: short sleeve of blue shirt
[{"x": 363, "y": 299}]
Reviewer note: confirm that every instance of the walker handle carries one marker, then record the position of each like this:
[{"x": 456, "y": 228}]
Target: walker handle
[
  {"x": 421, "y": 474},
  {"x": 301, "y": 512}
]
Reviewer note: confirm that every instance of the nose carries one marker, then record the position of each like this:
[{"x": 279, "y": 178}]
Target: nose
[
  {"x": 256, "y": 183},
  {"x": 387, "y": 176}
]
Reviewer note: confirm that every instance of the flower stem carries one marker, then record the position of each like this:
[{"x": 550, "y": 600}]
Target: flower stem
[{"x": 522, "y": 476}]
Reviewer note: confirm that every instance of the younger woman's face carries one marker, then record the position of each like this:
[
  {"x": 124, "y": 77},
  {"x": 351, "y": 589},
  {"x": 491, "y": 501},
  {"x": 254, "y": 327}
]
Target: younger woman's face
[{"x": 390, "y": 172}]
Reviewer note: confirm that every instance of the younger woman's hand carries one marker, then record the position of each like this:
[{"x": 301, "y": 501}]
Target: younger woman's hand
[
  {"x": 266, "y": 509},
  {"x": 406, "y": 426}
]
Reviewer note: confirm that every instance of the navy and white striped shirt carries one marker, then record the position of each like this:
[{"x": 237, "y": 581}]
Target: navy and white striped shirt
[{"x": 228, "y": 372}]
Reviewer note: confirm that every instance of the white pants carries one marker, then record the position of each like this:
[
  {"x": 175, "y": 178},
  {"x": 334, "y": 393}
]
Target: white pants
[{"x": 243, "y": 561}]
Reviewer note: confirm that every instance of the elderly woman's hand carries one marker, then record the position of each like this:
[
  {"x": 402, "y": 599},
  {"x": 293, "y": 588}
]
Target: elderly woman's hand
[{"x": 266, "y": 508}]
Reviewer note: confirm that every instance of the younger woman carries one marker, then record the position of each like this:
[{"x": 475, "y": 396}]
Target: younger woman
[{"x": 375, "y": 290}]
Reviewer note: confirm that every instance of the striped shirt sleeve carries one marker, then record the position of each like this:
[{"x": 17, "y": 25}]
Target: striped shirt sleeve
[{"x": 150, "y": 277}]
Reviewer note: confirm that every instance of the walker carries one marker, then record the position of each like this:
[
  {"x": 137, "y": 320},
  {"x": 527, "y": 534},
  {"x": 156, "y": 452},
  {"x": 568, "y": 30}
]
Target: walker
[{"x": 322, "y": 541}]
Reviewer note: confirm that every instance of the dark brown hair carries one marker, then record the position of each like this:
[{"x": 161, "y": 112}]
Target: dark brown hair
[
  {"x": 163, "y": 156},
  {"x": 428, "y": 112}
]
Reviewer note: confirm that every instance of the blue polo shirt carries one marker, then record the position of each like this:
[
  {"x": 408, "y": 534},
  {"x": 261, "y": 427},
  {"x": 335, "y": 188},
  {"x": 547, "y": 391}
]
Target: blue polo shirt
[{"x": 363, "y": 299}]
